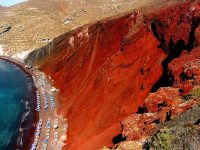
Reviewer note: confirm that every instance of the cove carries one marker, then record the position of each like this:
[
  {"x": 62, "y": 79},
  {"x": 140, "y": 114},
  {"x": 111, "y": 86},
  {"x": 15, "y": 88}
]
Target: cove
[{"x": 17, "y": 115}]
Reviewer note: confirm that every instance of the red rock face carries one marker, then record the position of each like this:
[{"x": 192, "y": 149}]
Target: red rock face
[
  {"x": 105, "y": 71},
  {"x": 197, "y": 36},
  {"x": 137, "y": 126},
  {"x": 163, "y": 97},
  {"x": 170, "y": 26},
  {"x": 161, "y": 105},
  {"x": 175, "y": 24},
  {"x": 166, "y": 102},
  {"x": 186, "y": 70}
]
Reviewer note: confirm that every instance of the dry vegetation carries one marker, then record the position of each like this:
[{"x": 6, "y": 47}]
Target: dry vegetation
[
  {"x": 35, "y": 23},
  {"x": 178, "y": 134}
]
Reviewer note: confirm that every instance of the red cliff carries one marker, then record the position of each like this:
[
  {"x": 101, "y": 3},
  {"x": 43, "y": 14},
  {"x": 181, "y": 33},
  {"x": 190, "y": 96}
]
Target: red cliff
[
  {"x": 186, "y": 70},
  {"x": 104, "y": 75},
  {"x": 106, "y": 70},
  {"x": 167, "y": 103}
]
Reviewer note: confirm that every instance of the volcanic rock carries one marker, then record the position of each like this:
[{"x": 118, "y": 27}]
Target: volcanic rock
[{"x": 186, "y": 70}]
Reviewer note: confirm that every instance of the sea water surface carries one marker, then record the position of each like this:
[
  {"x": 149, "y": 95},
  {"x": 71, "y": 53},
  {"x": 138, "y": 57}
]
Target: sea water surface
[{"x": 16, "y": 103}]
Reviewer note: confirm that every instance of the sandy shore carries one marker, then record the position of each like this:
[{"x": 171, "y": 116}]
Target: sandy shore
[
  {"x": 49, "y": 113},
  {"x": 53, "y": 137}
]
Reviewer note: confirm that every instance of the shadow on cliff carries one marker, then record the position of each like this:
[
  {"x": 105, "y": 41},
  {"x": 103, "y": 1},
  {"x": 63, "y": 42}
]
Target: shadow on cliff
[{"x": 173, "y": 51}]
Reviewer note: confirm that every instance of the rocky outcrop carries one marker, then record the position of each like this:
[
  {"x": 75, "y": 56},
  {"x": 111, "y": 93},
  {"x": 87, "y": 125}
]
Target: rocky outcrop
[
  {"x": 186, "y": 70},
  {"x": 175, "y": 26},
  {"x": 166, "y": 104},
  {"x": 160, "y": 106}
]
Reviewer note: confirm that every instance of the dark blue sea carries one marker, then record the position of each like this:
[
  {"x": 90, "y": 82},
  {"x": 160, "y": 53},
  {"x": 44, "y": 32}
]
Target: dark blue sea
[{"x": 16, "y": 107}]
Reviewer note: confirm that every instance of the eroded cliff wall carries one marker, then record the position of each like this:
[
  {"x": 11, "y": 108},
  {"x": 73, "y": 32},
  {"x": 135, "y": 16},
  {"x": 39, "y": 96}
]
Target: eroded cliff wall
[{"x": 105, "y": 70}]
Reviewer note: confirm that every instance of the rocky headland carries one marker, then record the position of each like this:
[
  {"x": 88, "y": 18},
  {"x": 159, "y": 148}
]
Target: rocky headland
[{"x": 125, "y": 78}]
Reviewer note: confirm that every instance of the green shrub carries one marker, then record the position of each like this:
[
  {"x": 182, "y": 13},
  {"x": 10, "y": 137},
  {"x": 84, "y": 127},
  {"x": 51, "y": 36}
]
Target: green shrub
[
  {"x": 194, "y": 94},
  {"x": 176, "y": 138},
  {"x": 163, "y": 140}
]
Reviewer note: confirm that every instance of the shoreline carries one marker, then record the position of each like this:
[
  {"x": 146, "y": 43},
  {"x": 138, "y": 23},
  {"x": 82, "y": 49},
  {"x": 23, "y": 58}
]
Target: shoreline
[
  {"x": 26, "y": 135},
  {"x": 19, "y": 64},
  {"x": 56, "y": 137}
]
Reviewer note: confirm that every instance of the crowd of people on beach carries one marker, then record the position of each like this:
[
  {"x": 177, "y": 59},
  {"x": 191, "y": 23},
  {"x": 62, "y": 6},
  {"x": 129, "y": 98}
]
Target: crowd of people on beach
[
  {"x": 55, "y": 126},
  {"x": 47, "y": 134},
  {"x": 52, "y": 100},
  {"x": 45, "y": 98},
  {"x": 38, "y": 107},
  {"x": 37, "y": 135},
  {"x": 43, "y": 84}
]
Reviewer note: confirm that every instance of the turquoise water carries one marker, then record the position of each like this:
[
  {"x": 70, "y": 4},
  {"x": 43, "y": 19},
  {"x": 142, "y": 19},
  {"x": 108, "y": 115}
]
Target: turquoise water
[
  {"x": 8, "y": 3},
  {"x": 16, "y": 101}
]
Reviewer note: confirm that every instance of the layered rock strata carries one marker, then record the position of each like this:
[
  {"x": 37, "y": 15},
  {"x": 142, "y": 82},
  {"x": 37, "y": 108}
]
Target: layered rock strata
[{"x": 106, "y": 70}]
